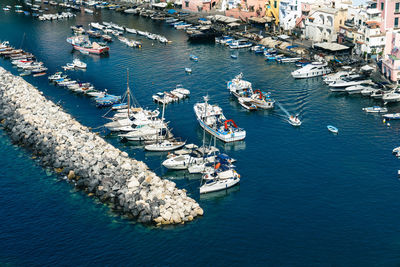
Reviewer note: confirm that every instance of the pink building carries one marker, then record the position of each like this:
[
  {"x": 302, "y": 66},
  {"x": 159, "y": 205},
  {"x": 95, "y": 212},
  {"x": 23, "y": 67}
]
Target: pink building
[
  {"x": 198, "y": 5},
  {"x": 390, "y": 11},
  {"x": 248, "y": 9},
  {"x": 391, "y": 61}
]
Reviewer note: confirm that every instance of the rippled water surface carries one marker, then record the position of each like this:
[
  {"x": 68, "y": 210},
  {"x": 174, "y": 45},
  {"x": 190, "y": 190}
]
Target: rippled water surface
[{"x": 307, "y": 197}]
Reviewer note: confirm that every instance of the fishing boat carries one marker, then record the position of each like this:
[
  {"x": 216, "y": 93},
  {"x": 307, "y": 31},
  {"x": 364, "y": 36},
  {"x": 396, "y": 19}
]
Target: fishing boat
[
  {"x": 392, "y": 116},
  {"x": 311, "y": 70},
  {"x": 332, "y": 129},
  {"x": 375, "y": 109},
  {"x": 294, "y": 120},
  {"x": 239, "y": 87},
  {"x": 82, "y": 42},
  {"x": 211, "y": 119},
  {"x": 188, "y": 70}
]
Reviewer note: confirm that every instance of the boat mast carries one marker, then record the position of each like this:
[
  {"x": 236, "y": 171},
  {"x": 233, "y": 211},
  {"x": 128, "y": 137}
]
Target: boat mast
[{"x": 127, "y": 90}]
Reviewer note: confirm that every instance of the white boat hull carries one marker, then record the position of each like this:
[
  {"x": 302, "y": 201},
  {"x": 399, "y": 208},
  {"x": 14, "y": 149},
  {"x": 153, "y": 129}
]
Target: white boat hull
[{"x": 218, "y": 185}]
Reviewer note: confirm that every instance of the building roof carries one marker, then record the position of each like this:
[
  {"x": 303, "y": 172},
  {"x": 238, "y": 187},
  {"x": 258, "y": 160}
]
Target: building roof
[{"x": 331, "y": 46}]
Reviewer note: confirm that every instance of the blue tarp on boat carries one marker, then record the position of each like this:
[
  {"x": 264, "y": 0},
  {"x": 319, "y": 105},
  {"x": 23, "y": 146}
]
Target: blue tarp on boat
[
  {"x": 172, "y": 11},
  {"x": 292, "y": 46}
]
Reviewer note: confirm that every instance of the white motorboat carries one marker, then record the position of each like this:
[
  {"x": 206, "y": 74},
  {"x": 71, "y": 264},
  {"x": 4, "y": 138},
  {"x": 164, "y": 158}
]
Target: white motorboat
[
  {"x": 211, "y": 119},
  {"x": 97, "y": 25},
  {"x": 241, "y": 43},
  {"x": 333, "y": 77},
  {"x": 378, "y": 94},
  {"x": 294, "y": 120},
  {"x": 347, "y": 83},
  {"x": 183, "y": 161},
  {"x": 218, "y": 184},
  {"x": 129, "y": 30},
  {"x": 355, "y": 89},
  {"x": 79, "y": 64},
  {"x": 312, "y": 70},
  {"x": 392, "y": 116},
  {"x": 375, "y": 109},
  {"x": 165, "y": 145},
  {"x": 368, "y": 91},
  {"x": 391, "y": 97}
]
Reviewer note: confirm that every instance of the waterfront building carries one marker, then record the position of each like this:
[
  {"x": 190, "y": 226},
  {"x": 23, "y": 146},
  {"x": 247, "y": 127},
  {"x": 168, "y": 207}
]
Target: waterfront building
[
  {"x": 390, "y": 11},
  {"x": 391, "y": 60},
  {"x": 289, "y": 12},
  {"x": 198, "y": 5},
  {"x": 364, "y": 32},
  {"x": 272, "y": 13},
  {"x": 323, "y": 24},
  {"x": 244, "y": 9}
]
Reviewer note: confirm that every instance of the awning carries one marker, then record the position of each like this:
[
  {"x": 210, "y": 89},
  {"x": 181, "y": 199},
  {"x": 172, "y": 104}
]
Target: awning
[
  {"x": 331, "y": 46},
  {"x": 258, "y": 20},
  {"x": 233, "y": 24},
  {"x": 162, "y": 5}
]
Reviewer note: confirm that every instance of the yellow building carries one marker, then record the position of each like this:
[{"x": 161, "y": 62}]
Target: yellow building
[{"x": 272, "y": 10}]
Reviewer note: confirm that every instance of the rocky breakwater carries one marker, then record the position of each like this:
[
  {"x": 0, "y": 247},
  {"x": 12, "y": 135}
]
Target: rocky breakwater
[{"x": 62, "y": 143}]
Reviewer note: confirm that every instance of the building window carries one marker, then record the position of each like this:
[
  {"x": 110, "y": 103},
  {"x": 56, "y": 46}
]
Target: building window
[
  {"x": 382, "y": 6},
  {"x": 275, "y": 4},
  {"x": 396, "y": 22},
  {"x": 397, "y": 7},
  {"x": 186, "y": 4}
]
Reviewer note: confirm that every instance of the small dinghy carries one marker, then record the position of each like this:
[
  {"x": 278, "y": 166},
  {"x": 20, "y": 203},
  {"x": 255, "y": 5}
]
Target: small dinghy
[
  {"x": 294, "y": 120},
  {"x": 234, "y": 56},
  {"x": 188, "y": 70},
  {"x": 244, "y": 102},
  {"x": 375, "y": 109},
  {"x": 332, "y": 129},
  {"x": 194, "y": 58},
  {"x": 392, "y": 116}
]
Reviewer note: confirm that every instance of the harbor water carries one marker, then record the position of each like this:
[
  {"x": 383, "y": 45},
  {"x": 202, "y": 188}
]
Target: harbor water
[{"x": 306, "y": 198}]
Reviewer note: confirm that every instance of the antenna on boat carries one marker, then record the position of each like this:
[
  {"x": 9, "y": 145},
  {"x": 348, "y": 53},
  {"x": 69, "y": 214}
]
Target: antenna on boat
[{"x": 127, "y": 89}]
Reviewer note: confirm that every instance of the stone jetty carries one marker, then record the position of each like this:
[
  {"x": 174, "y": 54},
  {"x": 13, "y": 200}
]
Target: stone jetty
[{"x": 92, "y": 164}]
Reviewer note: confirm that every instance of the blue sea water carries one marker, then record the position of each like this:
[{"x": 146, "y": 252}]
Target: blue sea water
[{"x": 307, "y": 197}]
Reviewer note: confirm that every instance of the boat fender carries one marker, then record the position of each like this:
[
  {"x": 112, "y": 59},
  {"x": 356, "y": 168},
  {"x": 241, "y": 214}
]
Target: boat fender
[
  {"x": 388, "y": 124},
  {"x": 384, "y": 121}
]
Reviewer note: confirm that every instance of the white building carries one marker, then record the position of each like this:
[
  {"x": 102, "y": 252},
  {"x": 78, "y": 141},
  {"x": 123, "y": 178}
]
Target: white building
[
  {"x": 289, "y": 11},
  {"x": 364, "y": 31},
  {"x": 323, "y": 24}
]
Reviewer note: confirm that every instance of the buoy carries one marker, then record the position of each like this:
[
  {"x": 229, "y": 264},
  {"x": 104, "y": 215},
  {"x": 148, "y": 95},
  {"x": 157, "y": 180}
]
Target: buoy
[
  {"x": 384, "y": 121},
  {"x": 388, "y": 124}
]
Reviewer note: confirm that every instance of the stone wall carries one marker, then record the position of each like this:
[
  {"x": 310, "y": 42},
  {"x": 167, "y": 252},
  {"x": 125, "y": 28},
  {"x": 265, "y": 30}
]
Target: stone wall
[{"x": 86, "y": 159}]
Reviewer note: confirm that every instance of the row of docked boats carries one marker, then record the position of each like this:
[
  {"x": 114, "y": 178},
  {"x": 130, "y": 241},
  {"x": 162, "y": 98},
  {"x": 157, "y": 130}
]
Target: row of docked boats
[
  {"x": 115, "y": 29},
  {"x": 56, "y": 16},
  {"x": 175, "y": 95},
  {"x": 351, "y": 82},
  {"x": 233, "y": 43},
  {"x": 102, "y": 98},
  {"x": 25, "y": 62},
  {"x": 130, "y": 42}
]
